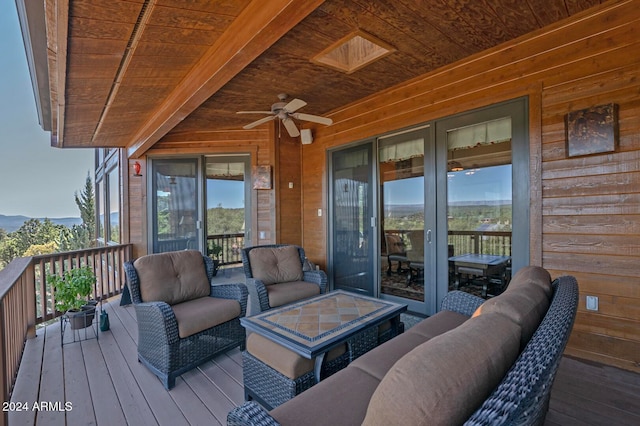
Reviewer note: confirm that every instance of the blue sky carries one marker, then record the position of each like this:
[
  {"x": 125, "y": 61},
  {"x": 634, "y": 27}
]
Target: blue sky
[
  {"x": 36, "y": 180},
  {"x": 489, "y": 183}
]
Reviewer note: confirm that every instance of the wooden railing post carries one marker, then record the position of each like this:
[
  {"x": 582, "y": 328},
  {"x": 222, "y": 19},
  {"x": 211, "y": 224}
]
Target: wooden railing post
[{"x": 30, "y": 300}]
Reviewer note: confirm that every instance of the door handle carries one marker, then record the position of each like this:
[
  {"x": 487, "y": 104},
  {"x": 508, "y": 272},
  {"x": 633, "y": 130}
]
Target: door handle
[{"x": 429, "y": 236}]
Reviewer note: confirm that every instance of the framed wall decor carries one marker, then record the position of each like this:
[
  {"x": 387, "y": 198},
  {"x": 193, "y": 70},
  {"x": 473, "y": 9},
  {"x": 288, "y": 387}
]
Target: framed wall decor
[
  {"x": 592, "y": 130},
  {"x": 262, "y": 177}
]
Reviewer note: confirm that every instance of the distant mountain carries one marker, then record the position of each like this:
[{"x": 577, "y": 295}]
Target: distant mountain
[{"x": 13, "y": 223}]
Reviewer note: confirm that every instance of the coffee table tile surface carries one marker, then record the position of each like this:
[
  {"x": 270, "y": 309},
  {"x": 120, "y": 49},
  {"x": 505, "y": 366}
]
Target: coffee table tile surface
[{"x": 322, "y": 318}]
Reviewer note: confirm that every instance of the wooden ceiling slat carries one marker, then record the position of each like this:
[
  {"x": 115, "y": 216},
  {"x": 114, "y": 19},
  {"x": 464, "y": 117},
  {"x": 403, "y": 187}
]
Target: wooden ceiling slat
[
  {"x": 92, "y": 28},
  {"x": 395, "y": 17},
  {"x": 221, "y": 7},
  {"x": 91, "y": 72},
  {"x": 105, "y": 10},
  {"x": 170, "y": 49},
  {"x": 450, "y": 24},
  {"x": 515, "y": 15},
  {"x": 548, "y": 11},
  {"x": 160, "y": 34},
  {"x": 175, "y": 17},
  {"x": 575, "y": 6},
  {"x": 94, "y": 61},
  {"x": 477, "y": 13},
  {"x": 178, "y": 62},
  {"x": 89, "y": 46}
]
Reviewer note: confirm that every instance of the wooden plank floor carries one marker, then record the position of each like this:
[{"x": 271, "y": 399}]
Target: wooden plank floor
[{"x": 105, "y": 385}]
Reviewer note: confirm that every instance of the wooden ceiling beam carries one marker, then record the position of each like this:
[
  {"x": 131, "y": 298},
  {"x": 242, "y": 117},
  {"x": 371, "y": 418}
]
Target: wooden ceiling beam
[{"x": 258, "y": 26}]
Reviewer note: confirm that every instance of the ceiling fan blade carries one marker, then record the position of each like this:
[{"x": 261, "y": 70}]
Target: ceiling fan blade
[
  {"x": 294, "y": 105},
  {"x": 291, "y": 127},
  {"x": 259, "y": 122},
  {"x": 254, "y": 112},
  {"x": 313, "y": 118}
]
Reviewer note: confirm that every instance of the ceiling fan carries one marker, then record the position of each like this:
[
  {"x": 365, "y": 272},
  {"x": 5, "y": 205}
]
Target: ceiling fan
[{"x": 286, "y": 112}]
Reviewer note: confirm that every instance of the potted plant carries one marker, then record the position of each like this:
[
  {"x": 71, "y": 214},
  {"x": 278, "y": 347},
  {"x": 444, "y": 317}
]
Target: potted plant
[
  {"x": 72, "y": 290},
  {"x": 214, "y": 253}
]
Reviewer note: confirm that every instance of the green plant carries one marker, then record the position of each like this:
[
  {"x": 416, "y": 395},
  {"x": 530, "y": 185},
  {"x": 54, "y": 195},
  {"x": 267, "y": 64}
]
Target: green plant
[
  {"x": 215, "y": 251},
  {"x": 72, "y": 288}
]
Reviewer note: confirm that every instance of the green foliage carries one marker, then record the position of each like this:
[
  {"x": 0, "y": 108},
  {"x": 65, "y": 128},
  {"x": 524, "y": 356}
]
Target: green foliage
[
  {"x": 38, "y": 249},
  {"x": 36, "y": 237},
  {"x": 73, "y": 288},
  {"x": 215, "y": 251},
  {"x": 221, "y": 220},
  {"x": 86, "y": 204},
  {"x": 31, "y": 233},
  {"x": 470, "y": 218}
]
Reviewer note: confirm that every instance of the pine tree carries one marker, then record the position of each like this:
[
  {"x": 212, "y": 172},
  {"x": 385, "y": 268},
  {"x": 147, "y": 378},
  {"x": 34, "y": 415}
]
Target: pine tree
[{"x": 86, "y": 203}]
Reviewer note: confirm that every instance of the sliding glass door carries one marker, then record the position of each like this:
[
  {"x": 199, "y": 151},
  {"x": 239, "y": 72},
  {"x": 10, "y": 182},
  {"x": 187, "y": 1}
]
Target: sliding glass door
[
  {"x": 228, "y": 207},
  {"x": 352, "y": 219},
  {"x": 483, "y": 197},
  {"x": 175, "y": 205},
  {"x": 404, "y": 268}
]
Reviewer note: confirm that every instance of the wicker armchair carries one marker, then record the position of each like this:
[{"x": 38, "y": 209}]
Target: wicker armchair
[
  {"x": 277, "y": 273},
  {"x": 183, "y": 320}
]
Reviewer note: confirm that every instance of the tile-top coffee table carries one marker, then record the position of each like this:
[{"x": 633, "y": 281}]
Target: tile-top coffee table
[{"x": 314, "y": 326}]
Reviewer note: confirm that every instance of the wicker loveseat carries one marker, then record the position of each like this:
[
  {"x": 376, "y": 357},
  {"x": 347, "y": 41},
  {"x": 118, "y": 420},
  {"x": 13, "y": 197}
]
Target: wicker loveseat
[
  {"x": 276, "y": 275},
  {"x": 473, "y": 363},
  {"x": 183, "y": 320}
]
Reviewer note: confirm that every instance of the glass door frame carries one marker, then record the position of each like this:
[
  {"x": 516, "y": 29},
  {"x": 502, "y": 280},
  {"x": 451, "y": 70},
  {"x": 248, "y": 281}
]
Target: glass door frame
[
  {"x": 373, "y": 242},
  {"x": 518, "y": 110},
  {"x": 429, "y": 272},
  {"x": 152, "y": 204},
  {"x": 200, "y": 194}
]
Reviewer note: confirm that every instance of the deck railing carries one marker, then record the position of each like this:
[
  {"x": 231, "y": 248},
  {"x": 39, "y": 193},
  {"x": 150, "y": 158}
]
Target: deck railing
[
  {"x": 231, "y": 245},
  {"x": 26, "y": 299},
  {"x": 480, "y": 242},
  {"x": 463, "y": 242}
]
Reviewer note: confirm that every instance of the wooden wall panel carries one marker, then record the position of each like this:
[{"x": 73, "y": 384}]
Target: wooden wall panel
[
  {"x": 135, "y": 207},
  {"x": 586, "y": 218},
  {"x": 288, "y": 200}
]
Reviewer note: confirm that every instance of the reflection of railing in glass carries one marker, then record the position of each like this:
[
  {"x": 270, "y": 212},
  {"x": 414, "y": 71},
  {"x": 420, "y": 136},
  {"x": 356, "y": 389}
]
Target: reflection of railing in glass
[{"x": 480, "y": 242}]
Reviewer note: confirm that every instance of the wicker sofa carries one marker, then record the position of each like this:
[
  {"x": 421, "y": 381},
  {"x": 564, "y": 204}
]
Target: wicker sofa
[{"x": 475, "y": 362}]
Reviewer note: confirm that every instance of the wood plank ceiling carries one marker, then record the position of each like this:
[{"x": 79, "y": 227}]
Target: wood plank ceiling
[{"x": 137, "y": 70}]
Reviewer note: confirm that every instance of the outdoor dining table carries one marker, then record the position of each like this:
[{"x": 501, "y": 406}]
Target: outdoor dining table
[{"x": 485, "y": 266}]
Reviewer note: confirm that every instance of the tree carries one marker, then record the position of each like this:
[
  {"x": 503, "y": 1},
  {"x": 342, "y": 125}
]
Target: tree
[
  {"x": 86, "y": 204},
  {"x": 31, "y": 233},
  {"x": 82, "y": 236}
]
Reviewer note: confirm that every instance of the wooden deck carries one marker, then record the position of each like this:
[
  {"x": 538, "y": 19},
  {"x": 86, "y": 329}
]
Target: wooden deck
[{"x": 104, "y": 384}]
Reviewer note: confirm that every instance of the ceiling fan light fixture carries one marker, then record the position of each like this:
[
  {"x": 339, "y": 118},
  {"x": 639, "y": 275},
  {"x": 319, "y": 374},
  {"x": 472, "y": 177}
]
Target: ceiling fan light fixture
[{"x": 286, "y": 112}]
